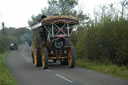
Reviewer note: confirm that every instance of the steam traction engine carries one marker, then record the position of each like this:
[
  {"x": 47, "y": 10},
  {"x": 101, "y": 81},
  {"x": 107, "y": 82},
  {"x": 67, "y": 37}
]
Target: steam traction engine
[{"x": 51, "y": 41}]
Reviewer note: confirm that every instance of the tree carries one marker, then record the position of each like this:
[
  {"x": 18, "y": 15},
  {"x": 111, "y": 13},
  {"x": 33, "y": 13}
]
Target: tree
[
  {"x": 124, "y": 4},
  {"x": 34, "y": 20},
  {"x": 62, "y": 7}
]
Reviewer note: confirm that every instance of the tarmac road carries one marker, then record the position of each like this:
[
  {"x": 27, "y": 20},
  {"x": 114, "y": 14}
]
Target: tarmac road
[{"x": 21, "y": 67}]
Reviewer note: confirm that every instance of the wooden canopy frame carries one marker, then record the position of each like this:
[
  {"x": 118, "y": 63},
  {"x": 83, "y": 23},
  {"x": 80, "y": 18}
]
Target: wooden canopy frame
[{"x": 60, "y": 19}]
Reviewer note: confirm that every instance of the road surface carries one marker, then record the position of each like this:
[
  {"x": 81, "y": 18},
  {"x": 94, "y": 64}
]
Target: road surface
[{"x": 21, "y": 67}]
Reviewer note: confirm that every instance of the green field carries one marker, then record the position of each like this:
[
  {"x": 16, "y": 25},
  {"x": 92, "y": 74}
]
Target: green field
[
  {"x": 114, "y": 70},
  {"x": 5, "y": 76}
]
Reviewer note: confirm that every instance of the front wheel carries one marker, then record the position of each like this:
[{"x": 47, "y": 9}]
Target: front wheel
[
  {"x": 44, "y": 58},
  {"x": 71, "y": 57}
]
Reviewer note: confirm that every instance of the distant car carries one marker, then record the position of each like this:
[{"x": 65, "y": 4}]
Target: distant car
[{"x": 13, "y": 46}]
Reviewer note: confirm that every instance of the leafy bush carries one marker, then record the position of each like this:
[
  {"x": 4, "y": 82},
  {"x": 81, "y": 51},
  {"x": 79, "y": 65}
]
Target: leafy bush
[{"x": 105, "y": 43}]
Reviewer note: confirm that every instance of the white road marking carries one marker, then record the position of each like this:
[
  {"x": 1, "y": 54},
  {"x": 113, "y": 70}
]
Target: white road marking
[
  {"x": 89, "y": 70},
  {"x": 48, "y": 70},
  {"x": 64, "y": 78},
  {"x": 23, "y": 55},
  {"x": 27, "y": 59}
]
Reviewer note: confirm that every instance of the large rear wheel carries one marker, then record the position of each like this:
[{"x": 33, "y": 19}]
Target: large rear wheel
[
  {"x": 39, "y": 59},
  {"x": 71, "y": 57},
  {"x": 44, "y": 52},
  {"x": 37, "y": 53},
  {"x": 34, "y": 52}
]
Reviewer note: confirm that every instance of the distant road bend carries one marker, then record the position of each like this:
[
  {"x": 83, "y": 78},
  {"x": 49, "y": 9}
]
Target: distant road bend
[{"x": 21, "y": 67}]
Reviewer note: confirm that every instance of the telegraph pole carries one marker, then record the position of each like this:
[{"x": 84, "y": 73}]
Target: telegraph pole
[{"x": 3, "y": 28}]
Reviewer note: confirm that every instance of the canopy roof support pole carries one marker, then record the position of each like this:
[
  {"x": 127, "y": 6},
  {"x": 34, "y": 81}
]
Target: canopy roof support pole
[
  {"x": 47, "y": 30},
  {"x": 52, "y": 30},
  {"x": 68, "y": 29}
]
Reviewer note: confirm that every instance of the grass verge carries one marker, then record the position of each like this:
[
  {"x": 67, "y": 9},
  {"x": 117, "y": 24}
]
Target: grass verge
[
  {"x": 5, "y": 76},
  {"x": 111, "y": 69}
]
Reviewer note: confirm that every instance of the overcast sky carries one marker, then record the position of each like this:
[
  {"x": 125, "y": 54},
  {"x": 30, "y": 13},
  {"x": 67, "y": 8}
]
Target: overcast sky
[{"x": 15, "y": 13}]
